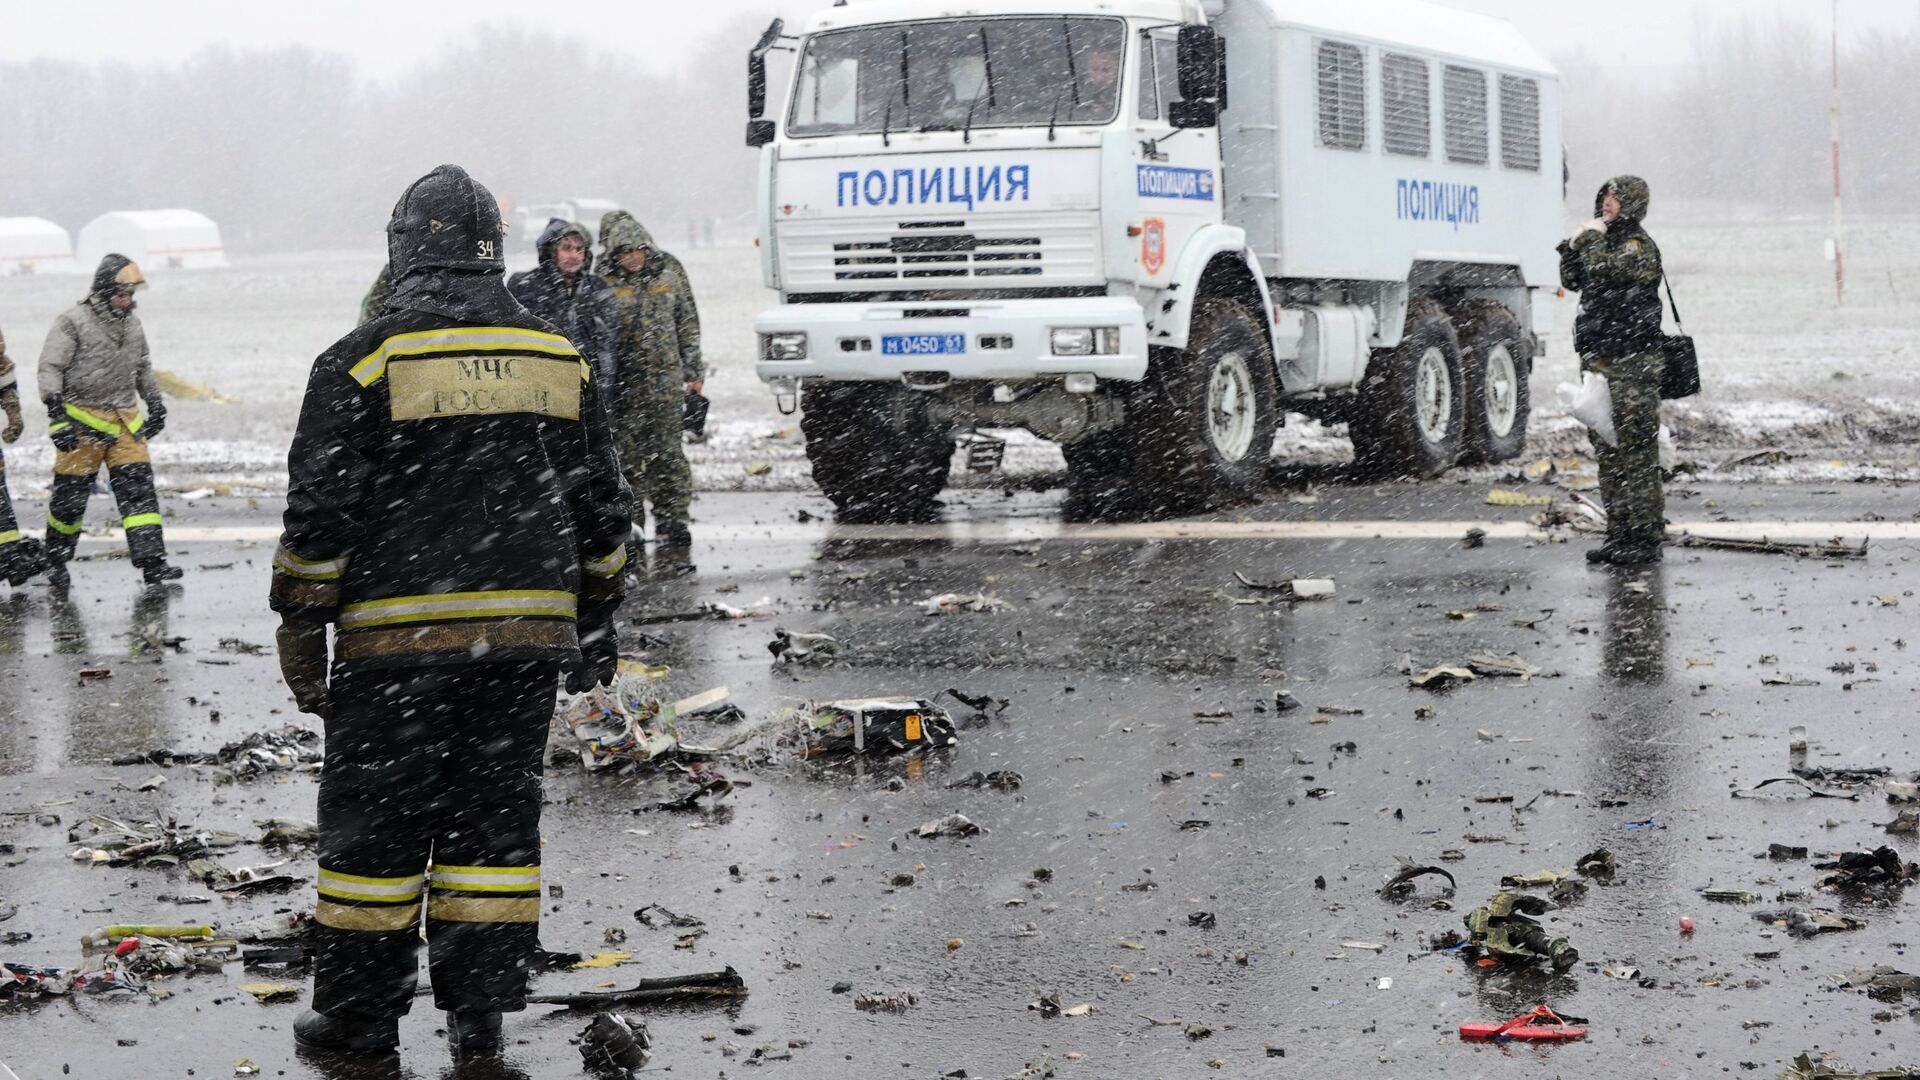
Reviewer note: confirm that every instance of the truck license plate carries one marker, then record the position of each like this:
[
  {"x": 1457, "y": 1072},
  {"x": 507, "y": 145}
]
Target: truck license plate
[{"x": 922, "y": 344}]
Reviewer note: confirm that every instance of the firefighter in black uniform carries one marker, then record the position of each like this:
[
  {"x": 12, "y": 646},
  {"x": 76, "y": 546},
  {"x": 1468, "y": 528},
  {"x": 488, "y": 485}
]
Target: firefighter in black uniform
[{"x": 456, "y": 512}]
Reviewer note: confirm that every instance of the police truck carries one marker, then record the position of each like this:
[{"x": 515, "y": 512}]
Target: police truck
[{"x": 1148, "y": 230}]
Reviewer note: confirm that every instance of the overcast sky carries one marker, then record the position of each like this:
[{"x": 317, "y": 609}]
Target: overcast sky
[{"x": 383, "y": 35}]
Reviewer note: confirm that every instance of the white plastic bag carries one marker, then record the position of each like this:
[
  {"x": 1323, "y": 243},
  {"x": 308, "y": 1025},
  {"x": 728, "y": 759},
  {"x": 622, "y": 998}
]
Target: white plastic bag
[{"x": 1593, "y": 406}]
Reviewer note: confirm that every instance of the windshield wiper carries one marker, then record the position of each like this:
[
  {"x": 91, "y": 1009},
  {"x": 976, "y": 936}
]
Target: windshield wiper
[
  {"x": 1054, "y": 120},
  {"x": 886, "y": 124},
  {"x": 986, "y": 59},
  {"x": 1073, "y": 69}
]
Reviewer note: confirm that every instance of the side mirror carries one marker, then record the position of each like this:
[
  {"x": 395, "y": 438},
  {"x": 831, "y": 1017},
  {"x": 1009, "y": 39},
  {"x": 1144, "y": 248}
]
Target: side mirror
[
  {"x": 1193, "y": 114},
  {"x": 757, "y": 68},
  {"x": 759, "y": 132},
  {"x": 1197, "y": 58}
]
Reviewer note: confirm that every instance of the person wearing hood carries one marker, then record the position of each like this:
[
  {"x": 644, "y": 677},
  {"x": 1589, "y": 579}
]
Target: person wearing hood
[
  {"x": 657, "y": 334},
  {"x": 21, "y": 556},
  {"x": 564, "y": 291},
  {"x": 92, "y": 368},
  {"x": 456, "y": 514},
  {"x": 1615, "y": 267},
  {"x": 374, "y": 303}
]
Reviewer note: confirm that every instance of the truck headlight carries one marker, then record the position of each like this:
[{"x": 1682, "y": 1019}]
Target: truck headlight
[
  {"x": 1086, "y": 340},
  {"x": 783, "y": 346}
]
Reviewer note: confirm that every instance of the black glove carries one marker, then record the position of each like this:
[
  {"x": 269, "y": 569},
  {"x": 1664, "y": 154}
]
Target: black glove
[
  {"x": 156, "y": 420},
  {"x": 303, "y": 665},
  {"x": 65, "y": 436},
  {"x": 599, "y": 649}
]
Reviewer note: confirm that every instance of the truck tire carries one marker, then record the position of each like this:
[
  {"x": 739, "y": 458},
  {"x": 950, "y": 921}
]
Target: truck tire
[
  {"x": 1412, "y": 411},
  {"x": 1205, "y": 421},
  {"x": 872, "y": 472},
  {"x": 1498, "y": 358}
]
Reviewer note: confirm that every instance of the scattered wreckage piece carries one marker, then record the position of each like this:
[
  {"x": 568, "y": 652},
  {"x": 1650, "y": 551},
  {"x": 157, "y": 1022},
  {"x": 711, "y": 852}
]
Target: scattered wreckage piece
[
  {"x": 1805, "y": 1068},
  {"x": 1806, "y": 922},
  {"x": 1292, "y": 589},
  {"x": 963, "y": 603},
  {"x": 1836, "y": 548},
  {"x": 1401, "y": 883},
  {"x": 1818, "y": 793},
  {"x": 1858, "y": 869},
  {"x": 709, "y": 986},
  {"x": 615, "y": 1045},
  {"x": 1539, "y": 1023},
  {"x": 803, "y": 648},
  {"x": 864, "y": 725}
]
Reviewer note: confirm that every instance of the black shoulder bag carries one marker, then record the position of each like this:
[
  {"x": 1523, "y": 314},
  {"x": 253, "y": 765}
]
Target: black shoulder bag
[{"x": 1681, "y": 376}]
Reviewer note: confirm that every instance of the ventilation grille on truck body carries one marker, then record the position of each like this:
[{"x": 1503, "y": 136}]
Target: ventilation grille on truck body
[
  {"x": 1406, "y": 102},
  {"x": 1343, "y": 96},
  {"x": 1465, "y": 104},
  {"x": 1520, "y": 123}
]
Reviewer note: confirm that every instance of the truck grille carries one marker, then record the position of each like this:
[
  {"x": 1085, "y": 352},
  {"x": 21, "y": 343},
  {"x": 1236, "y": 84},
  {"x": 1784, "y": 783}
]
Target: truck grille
[
  {"x": 914, "y": 257},
  {"x": 1008, "y": 249}
]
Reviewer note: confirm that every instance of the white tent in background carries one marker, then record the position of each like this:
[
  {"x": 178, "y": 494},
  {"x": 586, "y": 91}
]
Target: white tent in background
[
  {"x": 156, "y": 239},
  {"x": 31, "y": 245}
]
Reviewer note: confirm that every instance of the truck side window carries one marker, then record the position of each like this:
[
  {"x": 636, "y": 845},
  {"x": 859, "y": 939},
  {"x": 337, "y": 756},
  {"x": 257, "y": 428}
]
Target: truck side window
[
  {"x": 1465, "y": 104},
  {"x": 1149, "y": 84},
  {"x": 1166, "y": 70}
]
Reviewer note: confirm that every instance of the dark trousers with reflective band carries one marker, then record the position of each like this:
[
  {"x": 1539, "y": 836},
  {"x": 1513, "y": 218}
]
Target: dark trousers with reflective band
[
  {"x": 1630, "y": 486},
  {"x": 431, "y": 788},
  {"x": 129, "y": 472},
  {"x": 12, "y": 551}
]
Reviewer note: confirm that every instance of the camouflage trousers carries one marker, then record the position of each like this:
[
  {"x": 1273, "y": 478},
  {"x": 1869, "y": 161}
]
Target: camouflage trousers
[
  {"x": 647, "y": 434},
  {"x": 1630, "y": 487}
]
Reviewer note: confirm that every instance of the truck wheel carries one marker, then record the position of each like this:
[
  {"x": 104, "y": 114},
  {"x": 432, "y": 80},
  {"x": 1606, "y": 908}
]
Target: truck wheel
[
  {"x": 1206, "y": 433},
  {"x": 870, "y": 471},
  {"x": 1412, "y": 410},
  {"x": 1498, "y": 360}
]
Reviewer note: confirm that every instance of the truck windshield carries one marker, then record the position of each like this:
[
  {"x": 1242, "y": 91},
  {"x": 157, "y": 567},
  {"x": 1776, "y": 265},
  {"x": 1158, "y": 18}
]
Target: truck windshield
[{"x": 954, "y": 74}]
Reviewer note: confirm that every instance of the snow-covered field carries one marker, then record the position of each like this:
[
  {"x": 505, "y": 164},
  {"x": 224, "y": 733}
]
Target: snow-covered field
[{"x": 1839, "y": 387}]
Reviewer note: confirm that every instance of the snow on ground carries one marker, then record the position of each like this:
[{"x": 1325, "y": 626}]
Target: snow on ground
[{"x": 1839, "y": 387}]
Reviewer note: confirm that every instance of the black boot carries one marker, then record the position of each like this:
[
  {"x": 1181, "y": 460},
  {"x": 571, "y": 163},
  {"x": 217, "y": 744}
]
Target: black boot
[
  {"x": 474, "y": 1033},
  {"x": 317, "y": 1031},
  {"x": 160, "y": 573},
  {"x": 673, "y": 534},
  {"x": 1612, "y": 554},
  {"x": 57, "y": 577}
]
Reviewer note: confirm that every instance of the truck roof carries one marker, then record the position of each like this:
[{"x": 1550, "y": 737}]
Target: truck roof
[
  {"x": 861, "y": 12},
  {"x": 1418, "y": 24}
]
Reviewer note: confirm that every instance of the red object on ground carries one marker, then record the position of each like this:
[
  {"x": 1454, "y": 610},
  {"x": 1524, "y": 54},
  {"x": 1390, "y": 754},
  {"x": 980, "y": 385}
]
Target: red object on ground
[
  {"x": 126, "y": 946},
  {"x": 1524, "y": 1027},
  {"x": 1686, "y": 924}
]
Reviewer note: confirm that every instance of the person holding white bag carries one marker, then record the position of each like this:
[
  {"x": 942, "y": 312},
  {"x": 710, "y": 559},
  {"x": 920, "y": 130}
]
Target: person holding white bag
[{"x": 1615, "y": 267}]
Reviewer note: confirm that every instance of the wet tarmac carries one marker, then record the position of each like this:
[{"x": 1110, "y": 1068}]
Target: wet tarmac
[{"x": 1141, "y": 684}]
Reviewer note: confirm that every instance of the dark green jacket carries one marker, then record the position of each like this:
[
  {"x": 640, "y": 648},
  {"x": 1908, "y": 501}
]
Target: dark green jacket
[
  {"x": 1617, "y": 274},
  {"x": 657, "y": 323}
]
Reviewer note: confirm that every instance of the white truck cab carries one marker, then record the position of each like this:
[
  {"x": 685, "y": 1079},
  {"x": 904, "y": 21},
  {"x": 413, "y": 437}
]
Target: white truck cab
[{"x": 1146, "y": 229}]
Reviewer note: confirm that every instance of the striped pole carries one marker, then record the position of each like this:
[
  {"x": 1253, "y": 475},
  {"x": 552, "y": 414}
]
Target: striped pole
[{"x": 1833, "y": 121}]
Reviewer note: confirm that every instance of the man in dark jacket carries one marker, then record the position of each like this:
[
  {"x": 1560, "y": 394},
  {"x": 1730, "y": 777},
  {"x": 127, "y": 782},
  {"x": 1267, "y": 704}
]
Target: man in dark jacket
[
  {"x": 578, "y": 303},
  {"x": 1615, "y": 266},
  {"x": 94, "y": 369},
  {"x": 456, "y": 512}
]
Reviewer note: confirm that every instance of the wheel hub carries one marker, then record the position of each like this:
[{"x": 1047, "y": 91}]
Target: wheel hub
[
  {"x": 1433, "y": 396},
  {"x": 1502, "y": 391},
  {"x": 1231, "y": 407}
]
